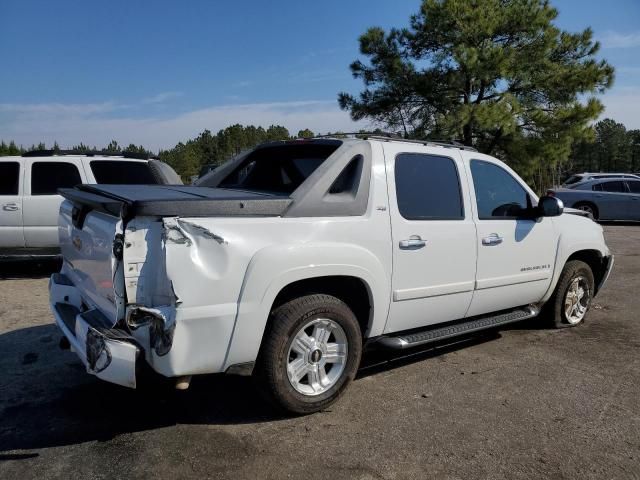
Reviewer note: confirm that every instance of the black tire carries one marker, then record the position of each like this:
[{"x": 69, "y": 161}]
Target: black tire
[
  {"x": 286, "y": 321},
  {"x": 588, "y": 207},
  {"x": 554, "y": 309}
]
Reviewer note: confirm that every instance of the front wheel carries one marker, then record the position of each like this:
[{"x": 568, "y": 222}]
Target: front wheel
[
  {"x": 310, "y": 353},
  {"x": 573, "y": 294},
  {"x": 590, "y": 208}
]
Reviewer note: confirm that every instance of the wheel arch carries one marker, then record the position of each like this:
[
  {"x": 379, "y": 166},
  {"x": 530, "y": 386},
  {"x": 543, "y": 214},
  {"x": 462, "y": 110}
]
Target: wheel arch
[
  {"x": 596, "y": 262},
  {"x": 592, "y": 204},
  {"x": 353, "y": 291},
  {"x": 591, "y": 254}
]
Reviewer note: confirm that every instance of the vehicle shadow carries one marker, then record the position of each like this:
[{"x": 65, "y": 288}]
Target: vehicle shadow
[
  {"x": 50, "y": 401},
  {"x": 31, "y": 268},
  {"x": 619, "y": 223}
]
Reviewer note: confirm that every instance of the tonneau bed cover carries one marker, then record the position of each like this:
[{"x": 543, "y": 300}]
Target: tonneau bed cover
[{"x": 128, "y": 201}]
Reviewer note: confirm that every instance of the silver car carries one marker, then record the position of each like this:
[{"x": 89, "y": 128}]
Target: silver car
[
  {"x": 583, "y": 177},
  {"x": 604, "y": 199}
]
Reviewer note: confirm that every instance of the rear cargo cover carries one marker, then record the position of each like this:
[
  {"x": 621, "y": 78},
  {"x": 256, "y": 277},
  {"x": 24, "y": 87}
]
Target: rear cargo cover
[{"x": 176, "y": 200}]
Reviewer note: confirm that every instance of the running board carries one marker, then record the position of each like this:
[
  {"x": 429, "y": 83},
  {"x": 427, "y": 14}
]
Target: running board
[{"x": 475, "y": 324}]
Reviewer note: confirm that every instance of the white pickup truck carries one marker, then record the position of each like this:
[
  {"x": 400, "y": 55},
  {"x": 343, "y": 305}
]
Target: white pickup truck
[{"x": 284, "y": 262}]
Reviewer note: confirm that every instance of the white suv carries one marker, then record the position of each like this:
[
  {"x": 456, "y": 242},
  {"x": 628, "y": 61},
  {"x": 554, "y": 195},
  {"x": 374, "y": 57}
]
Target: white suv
[
  {"x": 289, "y": 259},
  {"x": 29, "y": 199}
]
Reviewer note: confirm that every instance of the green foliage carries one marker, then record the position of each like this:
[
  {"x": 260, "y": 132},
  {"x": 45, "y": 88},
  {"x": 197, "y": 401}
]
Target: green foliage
[
  {"x": 81, "y": 148},
  {"x": 613, "y": 149},
  {"x": 306, "y": 133},
  {"x": 495, "y": 74},
  {"x": 206, "y": 149},
  {"x": 10, "y": 149},
  {"x": 113, "y": 147}
]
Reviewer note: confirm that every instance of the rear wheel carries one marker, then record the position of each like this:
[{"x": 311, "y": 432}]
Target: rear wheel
[
  {"x": 572, "y": 298},
  {"x": 589, "y": 208},
  {"x": 310, "y": 353}
]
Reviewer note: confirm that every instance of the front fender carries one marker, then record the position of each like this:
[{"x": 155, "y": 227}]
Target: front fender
[
  {"x": 573, "y": 241},
  {"x": 273, "y": 268}
]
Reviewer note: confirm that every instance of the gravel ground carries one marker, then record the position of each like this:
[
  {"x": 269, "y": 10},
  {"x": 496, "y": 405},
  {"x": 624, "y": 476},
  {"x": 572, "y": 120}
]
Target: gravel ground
[{"x": 523, "y": 403}]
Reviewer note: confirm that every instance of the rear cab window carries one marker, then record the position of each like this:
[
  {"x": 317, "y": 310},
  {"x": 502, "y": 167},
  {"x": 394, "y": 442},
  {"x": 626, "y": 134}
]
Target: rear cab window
[
  {"x": 9, "y": 178},
  {"x": 122, "y": 172},
  {"x": 428, "y": 187},
  {"x": 47, "y": 177},
  {"x": 278, "y": 169}
]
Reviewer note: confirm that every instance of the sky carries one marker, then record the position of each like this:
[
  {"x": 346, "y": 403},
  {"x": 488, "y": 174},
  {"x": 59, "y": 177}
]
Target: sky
[{"x": 156, "y": 73}]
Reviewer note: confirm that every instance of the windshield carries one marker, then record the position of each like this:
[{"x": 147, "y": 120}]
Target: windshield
[{"x": 122, "y": 172}]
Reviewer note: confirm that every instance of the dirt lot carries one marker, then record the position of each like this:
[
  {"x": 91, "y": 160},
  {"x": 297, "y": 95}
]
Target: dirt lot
[{"x": 525, "y": 403}]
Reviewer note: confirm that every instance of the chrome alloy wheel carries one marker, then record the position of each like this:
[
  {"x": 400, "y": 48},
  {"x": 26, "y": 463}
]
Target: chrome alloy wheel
[
  {"x": 317, "y": 356},
  {"x": 576, "y": 300}
]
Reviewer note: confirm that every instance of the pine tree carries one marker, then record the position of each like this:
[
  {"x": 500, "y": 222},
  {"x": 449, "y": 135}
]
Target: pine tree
[{"x": 495, "y": 74}]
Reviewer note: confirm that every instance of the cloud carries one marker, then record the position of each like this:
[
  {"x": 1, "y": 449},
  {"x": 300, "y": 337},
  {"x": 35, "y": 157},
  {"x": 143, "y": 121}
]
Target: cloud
[
  {"x": 243, "y": 84},
  {"x": 72, "y": 124},
  {"x": 613, "y": 39},
  {"x": 59, "y": 109},
  {"x": 162, "y": 97},
  {"x": 621, "y": 105}
]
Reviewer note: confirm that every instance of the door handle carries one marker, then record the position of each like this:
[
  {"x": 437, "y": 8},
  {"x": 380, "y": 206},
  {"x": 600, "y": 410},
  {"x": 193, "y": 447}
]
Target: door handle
[
  {"x": 10, "y": 207},
  {"x": 412, "y": 243},
  {"x": 493, "y": 239}
]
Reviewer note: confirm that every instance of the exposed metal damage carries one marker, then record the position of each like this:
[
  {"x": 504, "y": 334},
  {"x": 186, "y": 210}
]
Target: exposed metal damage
[
  {"x": 181, "y": 232},
  {"x": 160, "y": 322}
]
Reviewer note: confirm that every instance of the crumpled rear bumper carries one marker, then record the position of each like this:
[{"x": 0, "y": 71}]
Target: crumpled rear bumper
[{"x": 108, "y": 353}]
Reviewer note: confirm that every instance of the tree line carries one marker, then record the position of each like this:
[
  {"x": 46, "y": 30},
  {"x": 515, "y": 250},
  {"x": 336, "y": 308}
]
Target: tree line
[
  {"x": 610, "y": 148},
  {"x": 11, "y": 148}
]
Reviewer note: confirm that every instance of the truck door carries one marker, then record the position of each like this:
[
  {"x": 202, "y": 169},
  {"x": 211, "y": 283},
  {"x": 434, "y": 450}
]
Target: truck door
[
  {"x": 11, "y": 231},
  {"x": 516, "y": 256},
  {"x": 42, "y": 202},
  {"x": 612, "y": 199},
  {"x": 433, "y": 234}
]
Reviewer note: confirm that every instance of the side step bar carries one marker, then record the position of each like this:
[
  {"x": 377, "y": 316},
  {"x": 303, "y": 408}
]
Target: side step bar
[{"x": 475, "y": 324}]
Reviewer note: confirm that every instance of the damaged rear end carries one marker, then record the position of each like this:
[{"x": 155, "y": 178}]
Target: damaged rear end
[{"x": 125, "y": 250}]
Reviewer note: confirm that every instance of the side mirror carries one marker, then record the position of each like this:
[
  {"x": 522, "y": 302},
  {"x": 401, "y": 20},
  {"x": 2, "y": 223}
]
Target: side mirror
[{"x": 550, "y": 206}]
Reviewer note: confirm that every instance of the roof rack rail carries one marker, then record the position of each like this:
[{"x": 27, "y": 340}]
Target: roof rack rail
[
  {"x": 360, "y": 134},
  {"x": 396, "y": 137},
  {"x": 439, "y": 143},
  {"x": 89, "y": 153}
]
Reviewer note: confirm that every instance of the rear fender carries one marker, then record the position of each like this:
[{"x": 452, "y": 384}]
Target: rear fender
[{"x": 275, "y": 267}]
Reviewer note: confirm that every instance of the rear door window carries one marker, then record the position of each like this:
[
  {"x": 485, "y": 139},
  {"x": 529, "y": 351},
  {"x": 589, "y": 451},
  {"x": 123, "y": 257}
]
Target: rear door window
[
  {"x": 48, "y": 177},
  {"x": 634, "y": 186},
  {"x": 615, "y": 186},
  {"x": 9, "y": 178},
  {"x": 114, "y": 172},
  {"x": 428, "y": 187}
]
